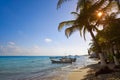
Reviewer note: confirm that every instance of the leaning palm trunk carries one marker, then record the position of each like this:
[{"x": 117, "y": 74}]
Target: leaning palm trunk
[
  {"x": 114, "y": 57},
  {"x": 102, "y": 59},
  {"x": 116, "y": 61}
]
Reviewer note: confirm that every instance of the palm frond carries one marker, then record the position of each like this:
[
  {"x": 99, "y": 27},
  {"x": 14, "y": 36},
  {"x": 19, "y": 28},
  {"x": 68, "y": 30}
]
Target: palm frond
[
  {"x": 80, "y": 32},
  {"x": 118, "y": 3},
  {"x": 61, "y": 2},
  {"x": 80, "y": 27},
  {"x": 65, "y": 23},
  {"x": 70, "y": 30},
  {"x": 96, "y": 29},
  {"x": 80, "y": 5},
  {"x": 84, "y": 32},
  {"x": 110, "y": 5},
  {"x": 75, "y": 13}
]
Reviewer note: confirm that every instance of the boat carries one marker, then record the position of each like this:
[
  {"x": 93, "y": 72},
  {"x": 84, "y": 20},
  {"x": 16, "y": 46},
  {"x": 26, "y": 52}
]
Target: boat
[
  {"x": 62, "y": 60},
  {"x": 73, "y": 59}
]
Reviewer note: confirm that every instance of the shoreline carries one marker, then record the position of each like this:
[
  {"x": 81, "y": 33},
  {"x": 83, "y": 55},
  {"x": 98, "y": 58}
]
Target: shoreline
[
  {"x": 82, "y": 73},
  {"x": 88, "y": 73},
  {"x": 78, "y": 74},
  {"x": 83, "y": 69}
]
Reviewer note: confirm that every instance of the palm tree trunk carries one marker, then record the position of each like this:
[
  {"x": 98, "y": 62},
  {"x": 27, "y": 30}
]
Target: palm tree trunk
[
  {"x": 102, "y": 59},
  {"x": 116, "y": 60},
  {"x": 114, "y": 57}
]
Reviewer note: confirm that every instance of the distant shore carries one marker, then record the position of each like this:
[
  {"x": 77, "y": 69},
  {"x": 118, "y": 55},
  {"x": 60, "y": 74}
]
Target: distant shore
[{"x": 88, "y": 73}]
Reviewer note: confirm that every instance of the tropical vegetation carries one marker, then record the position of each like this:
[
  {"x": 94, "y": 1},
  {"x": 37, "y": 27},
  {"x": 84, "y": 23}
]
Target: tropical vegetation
[{"x": 92, "y": 15}]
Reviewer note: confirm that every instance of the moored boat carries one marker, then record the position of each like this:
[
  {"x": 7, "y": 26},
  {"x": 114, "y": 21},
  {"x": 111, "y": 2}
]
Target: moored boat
[
  {"x": 73, "y": 59},
  {"x": 63, "y": 60}
]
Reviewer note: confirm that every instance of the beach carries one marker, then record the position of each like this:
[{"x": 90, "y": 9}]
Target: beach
[
  {"x": 88, "y": 73},
  {"x": 40, "y": 68},
  {"x": 78, "y": 74}
]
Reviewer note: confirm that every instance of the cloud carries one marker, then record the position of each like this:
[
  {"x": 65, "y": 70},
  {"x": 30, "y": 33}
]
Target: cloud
[
  {"x": 11, "y": 48},
  {"x": 48, "y": 40},
  {"x": 11, "y": 43}
]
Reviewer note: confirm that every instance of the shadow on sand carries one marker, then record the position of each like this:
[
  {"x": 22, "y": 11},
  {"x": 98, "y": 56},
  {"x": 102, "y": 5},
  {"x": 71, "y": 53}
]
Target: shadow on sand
[{"x": 113, "y": 74}]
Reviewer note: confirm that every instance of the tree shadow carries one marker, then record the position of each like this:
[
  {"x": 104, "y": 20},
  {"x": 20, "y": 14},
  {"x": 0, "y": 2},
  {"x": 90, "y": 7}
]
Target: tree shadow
[{"x": 113, "y": 75}]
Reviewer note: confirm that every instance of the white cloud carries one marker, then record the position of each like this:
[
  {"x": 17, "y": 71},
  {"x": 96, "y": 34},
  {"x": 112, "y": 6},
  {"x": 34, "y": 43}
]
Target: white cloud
[
  {"x": 48, "y": 40},
  {"x": 12, "y": 49},
  {"x": 11, "y": 43}
]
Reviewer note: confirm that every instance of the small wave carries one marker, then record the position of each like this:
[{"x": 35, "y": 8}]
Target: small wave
[{"x": 65, "y": 67}]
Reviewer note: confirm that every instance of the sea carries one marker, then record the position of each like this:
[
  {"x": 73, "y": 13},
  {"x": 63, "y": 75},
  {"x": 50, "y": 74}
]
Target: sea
[{"x": 37, "y": 68}]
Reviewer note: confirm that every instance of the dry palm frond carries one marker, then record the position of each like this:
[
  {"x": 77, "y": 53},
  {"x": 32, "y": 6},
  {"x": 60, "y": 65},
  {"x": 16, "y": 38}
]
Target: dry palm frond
[
  {"x": 70, "y": 30},
  {"x": 65, "y": 23},
  {"x": 75, "y": 13},
  {"x": 61, "y": 2},
  {"x": 84, "y": 32},
  {"x": 80, "y": 5}
]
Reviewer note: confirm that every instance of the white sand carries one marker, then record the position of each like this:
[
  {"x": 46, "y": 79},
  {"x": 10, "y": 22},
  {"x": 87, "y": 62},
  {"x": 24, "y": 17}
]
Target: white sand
[{"x": 78, "y": 74}]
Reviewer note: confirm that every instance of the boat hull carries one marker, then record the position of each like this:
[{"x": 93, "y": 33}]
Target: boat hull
[{"x": 53, "y": 61}]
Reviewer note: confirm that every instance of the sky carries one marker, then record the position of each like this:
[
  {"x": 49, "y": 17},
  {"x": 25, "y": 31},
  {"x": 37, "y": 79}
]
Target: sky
[{"x": 30, "y": 28}]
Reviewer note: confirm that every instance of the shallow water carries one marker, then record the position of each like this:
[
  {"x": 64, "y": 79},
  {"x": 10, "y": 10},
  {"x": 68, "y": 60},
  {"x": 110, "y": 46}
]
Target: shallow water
[{"x": 36, "y": 68}]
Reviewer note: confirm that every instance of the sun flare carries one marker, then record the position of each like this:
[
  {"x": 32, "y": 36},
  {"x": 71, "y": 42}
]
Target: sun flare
[{"x": 100, "y": 14}]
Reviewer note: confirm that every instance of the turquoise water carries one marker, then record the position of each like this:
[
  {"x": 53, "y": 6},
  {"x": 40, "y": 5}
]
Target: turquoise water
[{"x": 35, "y": 67}]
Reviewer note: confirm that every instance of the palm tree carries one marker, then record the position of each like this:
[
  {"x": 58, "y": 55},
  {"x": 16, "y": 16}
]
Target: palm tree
[
  {"x": 110, "y": 22},
  {"x": 86, "y": 20},
  {"x": 114, "y": 36},
  {"x": 110, "y": 34},
  {"x": 81, "y": 3}
]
